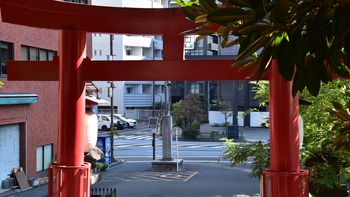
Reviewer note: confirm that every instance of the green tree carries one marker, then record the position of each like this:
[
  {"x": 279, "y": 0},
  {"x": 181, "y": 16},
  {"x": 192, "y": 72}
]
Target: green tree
[
  {"x": 189, "y": 113},
  {"x": 324, "y": 163},
  {"x": 226, "y": 109},
  {"x": 261, "y": 91},
  {"x": 309, "y": 39}
]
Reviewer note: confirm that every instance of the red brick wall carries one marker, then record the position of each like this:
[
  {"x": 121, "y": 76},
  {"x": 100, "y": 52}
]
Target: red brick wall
[{"x": 39, "y": 122}]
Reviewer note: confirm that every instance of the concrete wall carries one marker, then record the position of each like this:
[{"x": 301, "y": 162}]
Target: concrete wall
[{"x": 256, "y": 118}]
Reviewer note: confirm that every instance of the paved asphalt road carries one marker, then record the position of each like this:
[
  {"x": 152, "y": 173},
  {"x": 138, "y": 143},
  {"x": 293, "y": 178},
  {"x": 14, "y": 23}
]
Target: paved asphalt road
[{"x": 195, "y": 180}]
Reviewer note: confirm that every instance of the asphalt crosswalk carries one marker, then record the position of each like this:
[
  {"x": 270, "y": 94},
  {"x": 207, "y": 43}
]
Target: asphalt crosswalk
[
  {"x": 188, "y": 146},
  {"x": 148, "y": 138},
  {"x": 135, "y": 137}
]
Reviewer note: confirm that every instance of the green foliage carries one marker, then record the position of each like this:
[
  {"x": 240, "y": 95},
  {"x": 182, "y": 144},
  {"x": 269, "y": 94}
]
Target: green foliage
[
  {"x": 97, "y": 165},
  {"x": 261, "y": 90},
  {"x": 179, "y": 119},
  {"x": 1, "y": 84},
  {"x": 192, "y": 131},
  {"x": 226, "y": 109},
  {"x": 310, "y": 40},
  {"x": 113, "y": 131},
  {"x": 325, "y": 163},
  {"x": 214, "y": 134},
  {"x": 319, "y": 127},
  {"x": 341, "y": 122},
  {"x": 325, "y": 169},
  {"x": 188, "y": 111},
  {"x": 183, "y": 3},
  {"x": 257, "y": 151}
]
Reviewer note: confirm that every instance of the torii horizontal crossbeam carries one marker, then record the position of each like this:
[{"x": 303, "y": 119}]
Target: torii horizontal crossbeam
[
  {"x": 88, "y": 18},
  {"x": 144, "y": 70}
]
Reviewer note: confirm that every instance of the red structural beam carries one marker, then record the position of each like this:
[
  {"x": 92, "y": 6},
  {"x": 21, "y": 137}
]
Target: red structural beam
[
  {"x": 88, "y": 18},
  {"x": 144, "y": 70}
]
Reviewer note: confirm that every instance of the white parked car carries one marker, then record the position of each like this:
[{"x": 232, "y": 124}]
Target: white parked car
[
  {"x": 130, "y": 123},
  {"x": 104, "y": 123}
]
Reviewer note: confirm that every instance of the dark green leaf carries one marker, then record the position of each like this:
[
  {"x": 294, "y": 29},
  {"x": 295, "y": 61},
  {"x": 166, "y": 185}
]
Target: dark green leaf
[
  {"x": 188, "y": 13},
  {"x": 231, "y": 43},
  {"x": 279, "y": 13},
  {"x": 347, "y": 49},
  {"x": 285, "y": 60},
  {"x": 338, "y": 106},
  {"x": 299, "y": 81},
  {"x": 253, "y": 47},
  {"x": 267, "y": 28},
  {"x": 313, "y": 82},
  {"x": 244, "y": 62},
  {"x": 323, "y": 73},
  {"x": 264, "y": 59},
  {"x": 209, "y": 4},
  {"x": 240, "y": 3},
  {"x": 338, "y": 68},
  {"x": 224, "y": 16}
]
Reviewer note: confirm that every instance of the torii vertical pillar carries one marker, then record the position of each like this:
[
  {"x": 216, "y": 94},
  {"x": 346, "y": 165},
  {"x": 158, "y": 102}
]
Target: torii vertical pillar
[
  {"x": 72, "y": 175},
  {"x": 285, "y": 178}
]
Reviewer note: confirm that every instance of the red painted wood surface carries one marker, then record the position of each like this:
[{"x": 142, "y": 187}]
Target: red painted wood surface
[
  {"x": 284, "y": 135},
  {"x": 61, "y": 15},
  {"x": 145, "y": 70}
]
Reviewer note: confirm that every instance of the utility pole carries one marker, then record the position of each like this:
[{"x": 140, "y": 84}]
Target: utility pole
[{"x": 111, "y": 95}]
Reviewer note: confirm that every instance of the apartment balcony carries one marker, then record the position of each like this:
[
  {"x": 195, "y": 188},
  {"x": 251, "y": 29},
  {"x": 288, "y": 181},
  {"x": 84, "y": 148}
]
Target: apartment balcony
[{"x": 141, "y": 41}]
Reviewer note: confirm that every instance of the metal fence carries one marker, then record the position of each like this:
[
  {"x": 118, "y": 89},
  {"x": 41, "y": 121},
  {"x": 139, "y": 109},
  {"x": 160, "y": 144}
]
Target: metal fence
[{"x": 142, "y": 115}]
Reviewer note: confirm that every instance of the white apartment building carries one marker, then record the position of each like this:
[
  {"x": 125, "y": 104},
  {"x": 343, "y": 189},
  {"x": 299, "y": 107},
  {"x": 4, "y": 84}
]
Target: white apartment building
[{"x": 135, "y": 99}]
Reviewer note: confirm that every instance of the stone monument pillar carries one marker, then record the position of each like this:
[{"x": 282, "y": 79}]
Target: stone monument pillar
[
  {"x": 167, "y": 163},
  {"x": 166, "y": 138}
]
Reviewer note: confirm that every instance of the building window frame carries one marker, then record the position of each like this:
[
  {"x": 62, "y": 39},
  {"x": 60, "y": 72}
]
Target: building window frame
[
  {"x": 196, "y": 88},
  {"x": 43, "y": 157},
  {"x": 36, "y": 54},
  {"x": 6, "y": 53}
]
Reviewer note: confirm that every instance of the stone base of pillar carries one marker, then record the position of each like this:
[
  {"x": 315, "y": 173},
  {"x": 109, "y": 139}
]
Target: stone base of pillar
[{"x": 160, "y": 165}]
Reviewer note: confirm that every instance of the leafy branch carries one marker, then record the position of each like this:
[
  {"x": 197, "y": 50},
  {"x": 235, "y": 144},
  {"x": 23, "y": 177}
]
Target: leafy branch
[{"x": 310, "y": 40}]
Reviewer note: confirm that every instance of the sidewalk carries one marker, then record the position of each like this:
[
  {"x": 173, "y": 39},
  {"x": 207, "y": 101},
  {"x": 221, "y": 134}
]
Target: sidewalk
[{"x": 255, "y": 134}]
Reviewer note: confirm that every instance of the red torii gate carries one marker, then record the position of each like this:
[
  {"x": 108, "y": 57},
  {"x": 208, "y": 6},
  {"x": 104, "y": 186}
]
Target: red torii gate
[{"x": 73, "y": 68}]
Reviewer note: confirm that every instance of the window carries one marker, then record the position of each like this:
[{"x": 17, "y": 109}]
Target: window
[
  {"x": 35, "y": 54},
  {"x": 196, "y": 88},
  {"x": 104, "y": 118},
  {"x": 6, "y": 53},
  {"x": 129, "y": 90},
  {"x": 43, "y": 157},
  {"x": 194, "y": 51}
]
